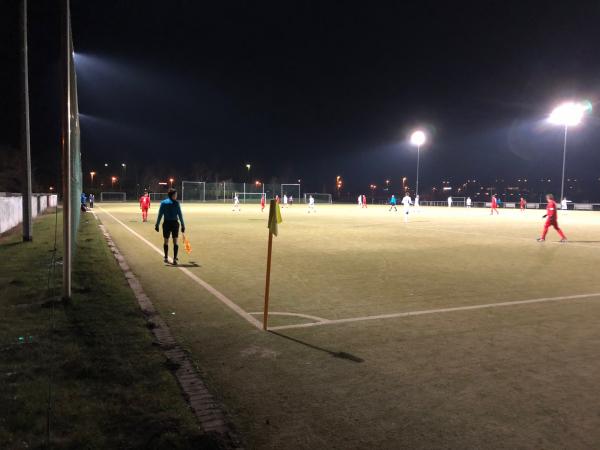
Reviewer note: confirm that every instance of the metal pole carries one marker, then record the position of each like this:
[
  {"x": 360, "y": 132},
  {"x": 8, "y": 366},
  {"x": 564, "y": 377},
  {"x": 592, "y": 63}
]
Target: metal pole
[
  {"x": 25, "y": 142},
  {"x": 418, "y": 163},
  {"x": 66, "y": 150},
  {"x": 562, "y": 184}
]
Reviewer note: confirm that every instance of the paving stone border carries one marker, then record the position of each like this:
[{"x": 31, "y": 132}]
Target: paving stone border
[{"x": 206, "y": 408}]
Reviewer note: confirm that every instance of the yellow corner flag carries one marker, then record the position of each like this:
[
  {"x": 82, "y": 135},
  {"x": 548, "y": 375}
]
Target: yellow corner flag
[{"x": 274, "y": 217}]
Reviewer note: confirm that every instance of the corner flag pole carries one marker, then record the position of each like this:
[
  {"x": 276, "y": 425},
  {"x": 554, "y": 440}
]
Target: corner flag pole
[
  {"x": 268, "y": 282},
  {"x": 274, "y": 220}
]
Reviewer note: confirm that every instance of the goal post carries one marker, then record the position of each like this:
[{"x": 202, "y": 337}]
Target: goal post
[
  {"x": 318, "y": 197},
  {"x": 249, "y": 197},
  {"x": 459, "y": 201},
  {"x": 113, "y": 197},
  {"x": 291, "y": 189},
  {"x": 157, "y": 196},
  {"x": 193, "y": 191}
]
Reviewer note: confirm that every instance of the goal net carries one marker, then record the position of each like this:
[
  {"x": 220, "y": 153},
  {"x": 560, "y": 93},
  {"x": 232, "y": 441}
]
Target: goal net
[
  {"x": 113, "y": 196},
  {"x": 157, "y": 196},
  {"x": 193, "y": 191},
  {"x": 459, "y": 201},
  {"x": 318, "y": 197},
  {"x": 290, "y": 190},
  {"x": 249, "y": 197}
]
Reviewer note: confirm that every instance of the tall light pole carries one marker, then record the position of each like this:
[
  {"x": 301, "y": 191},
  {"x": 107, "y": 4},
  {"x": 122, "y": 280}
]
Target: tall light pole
[
  {"x": 92, "y": 178},
  {"x": 568, "y": 114},
  {"x": 25, "y": 140},
  {"x": 418, "y": 138}
]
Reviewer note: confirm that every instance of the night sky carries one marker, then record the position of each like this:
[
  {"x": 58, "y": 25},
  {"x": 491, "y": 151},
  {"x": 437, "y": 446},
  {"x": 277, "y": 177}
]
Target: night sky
[{"x": 312, "y": 90}]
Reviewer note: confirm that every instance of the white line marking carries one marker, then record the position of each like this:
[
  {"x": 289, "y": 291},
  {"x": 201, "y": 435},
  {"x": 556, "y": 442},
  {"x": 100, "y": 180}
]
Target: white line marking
[
  {"x": 305, "y": 316},
  {"x": 438, "y": 311},
  {"x": 221, "y": 297}
]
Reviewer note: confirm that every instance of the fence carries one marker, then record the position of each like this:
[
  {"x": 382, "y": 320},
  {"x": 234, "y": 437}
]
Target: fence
[
  {"x": 570, "y": 206},
  {"x": 197, "y": 191},
  {"x": 11, "y": 208}
]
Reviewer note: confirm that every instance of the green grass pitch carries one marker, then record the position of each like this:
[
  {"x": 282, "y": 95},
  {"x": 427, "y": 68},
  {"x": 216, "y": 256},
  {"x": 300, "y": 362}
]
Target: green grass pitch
[{"x": 456, "y": 329}]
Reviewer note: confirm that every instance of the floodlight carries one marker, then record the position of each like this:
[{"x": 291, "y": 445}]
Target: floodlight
[
  {"x": 567, "y": 114},
  {"x": 417, "y": 138}
]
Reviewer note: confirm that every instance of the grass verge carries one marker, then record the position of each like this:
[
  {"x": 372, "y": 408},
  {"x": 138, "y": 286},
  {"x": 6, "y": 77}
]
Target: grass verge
[{"x": 82, "y": 374}]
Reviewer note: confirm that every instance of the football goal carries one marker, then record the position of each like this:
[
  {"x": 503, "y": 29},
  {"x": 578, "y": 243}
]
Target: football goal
[
  {"x": 291, "y": 189},
  {"x": 157, "y": 196},
  {"x": 459, "y": 201},
  {"x": 193, "y": 191},
  {"x": 249, "y": 197},
  {"x": 318, "y": 197},
  {"x": 113, "y": 196}
]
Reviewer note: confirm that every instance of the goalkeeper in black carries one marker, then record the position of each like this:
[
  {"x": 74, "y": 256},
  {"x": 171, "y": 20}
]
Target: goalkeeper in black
[{"x": 171, "y": 210}]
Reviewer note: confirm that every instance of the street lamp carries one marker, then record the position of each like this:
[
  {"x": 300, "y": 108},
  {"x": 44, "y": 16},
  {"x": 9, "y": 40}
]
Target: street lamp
[
  {"x": 171, "y": 180},
  {"x": 92, "y": 177},
  {"x": 418, "y": 138},
  {"x": 113, "y": 181},
  {"x": 338, "y": 184},
  {"x": 568, "y": 114}
]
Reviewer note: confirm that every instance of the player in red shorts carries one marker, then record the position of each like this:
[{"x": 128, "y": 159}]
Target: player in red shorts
[
  {"x": 364, "y": 200},
  {"x": 145, "y": 206},
  {"x": 522, "y": 204},
  {"x": 494, "y": 205},
  {"x": 551, "y": 217},
  {"x": 262, "y": 202}
]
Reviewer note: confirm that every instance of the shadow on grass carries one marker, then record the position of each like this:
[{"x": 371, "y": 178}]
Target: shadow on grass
[
  {"x": 341, "y": 355},
  {"x": 190, "y": 264}
]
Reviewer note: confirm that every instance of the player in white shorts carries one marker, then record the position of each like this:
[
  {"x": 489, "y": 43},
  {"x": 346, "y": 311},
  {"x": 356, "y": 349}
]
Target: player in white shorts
[
  {"x": 285, "y": 200},
  {"x": 311, "y": 204},
  {"x": 469, "y": 202},
  {"x": 236, "y": 204},
  {"x": 406, "y": 202}
]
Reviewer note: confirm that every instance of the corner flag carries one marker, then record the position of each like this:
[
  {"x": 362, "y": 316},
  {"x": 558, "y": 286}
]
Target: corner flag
[
  {"x": 274, "y": 217},
  {"x": 274, "y": 220}
]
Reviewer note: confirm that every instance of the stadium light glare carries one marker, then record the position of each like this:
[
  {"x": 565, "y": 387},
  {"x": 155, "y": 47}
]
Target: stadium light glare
[
  {"x": 568, "y": 114},
  {"x": 418, "y": 138}
]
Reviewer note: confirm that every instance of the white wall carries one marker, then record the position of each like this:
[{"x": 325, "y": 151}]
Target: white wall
[
  {"x": 11, "y": 208},
  {"x": 11, "y": 212}
]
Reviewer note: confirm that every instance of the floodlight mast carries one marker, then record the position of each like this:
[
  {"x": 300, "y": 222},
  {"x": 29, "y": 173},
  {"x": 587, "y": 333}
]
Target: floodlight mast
[
  {"x": 567, "y": 114},
  {"x": 418, "y": 138}
]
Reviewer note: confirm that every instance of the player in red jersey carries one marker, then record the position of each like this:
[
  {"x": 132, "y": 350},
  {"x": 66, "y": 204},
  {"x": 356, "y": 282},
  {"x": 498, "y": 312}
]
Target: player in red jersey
[
  {"x": 277, "y": 199},
  {"x": 262, "y": 202},
  {"x": 494, "y": 205},
  {"x": 551, "y": 217},
  {"x": 145, "y": 206},
  {"x": 522, "y": 204},
  {"x": 364, "y": 200}
]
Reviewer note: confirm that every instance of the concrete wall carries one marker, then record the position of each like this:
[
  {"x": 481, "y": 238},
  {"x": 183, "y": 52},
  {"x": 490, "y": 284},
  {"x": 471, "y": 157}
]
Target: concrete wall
[{"x": 11, "y": 208}]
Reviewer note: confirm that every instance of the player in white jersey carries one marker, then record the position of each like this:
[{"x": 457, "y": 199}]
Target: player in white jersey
[
  {"x": 290, "y": 200},
  {"x": 469, "y": 202},
  {"x": 564, "y": 204},
  {"x": 311, "y": 204},
  {"x": 360, "y": 200},
  {"x": 449, "y": 201},
  {"x": 285, "y": 200},
  {"x": 406, "y": 202},
  {"x": 416, "y": 203},
  {"x": 236, "y": 204}
]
